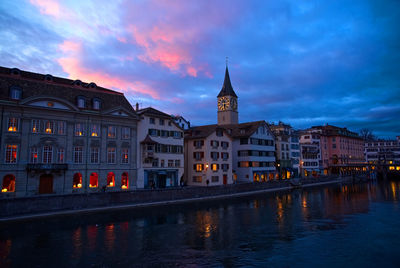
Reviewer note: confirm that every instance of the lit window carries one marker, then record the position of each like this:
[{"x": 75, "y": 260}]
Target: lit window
[
  {"x": 94, "y": 155},
  {"x": 214, "y": 167},
  {"x": 198, "y": 167},
  {"x": 79, "y": 129},
  {"x": 112, "y": 132},
  {"x": 33, "y": 155},
  {"x": 111, "y": 152},
  {"x": 197, "y": 178},
  {"x": 124, "y": 181},
  {"x": 61, "y": 128},
  {"x": 94, "y": 180},
  {"x": 11, "y": 154},
  {"x": 126, "y": 133},
  {"x": 77, "y": 180},
  {"x": 78, "y": 155},
  {"x": 110, "y": 179},
  {"x": 49, "y": 127},
  {"x": 125, "y": 156},
  {"x": 8, "y": 184},
  {"x": 47, "y": 154},
  {"x": 60, "y": 155},
  {"x": 95, "y": 130},
  {"x": 12, "y": 124},
  {"x": 35, "y": 126}
]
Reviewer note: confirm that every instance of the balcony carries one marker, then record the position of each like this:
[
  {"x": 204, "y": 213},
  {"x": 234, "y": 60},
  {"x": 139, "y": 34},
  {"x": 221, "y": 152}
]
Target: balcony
[{"x": 46, "y": 167}]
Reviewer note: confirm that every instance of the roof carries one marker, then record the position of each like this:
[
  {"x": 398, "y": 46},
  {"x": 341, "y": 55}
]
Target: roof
[
  {"x": 329, "y": 130},
  {"x": 242, "y": 130},
  {"x": 148, "y": 140},
  {"x": 227, "y": 89},
  {"x": 150, "y": 111},
  {"x": 36, "y": 85}
]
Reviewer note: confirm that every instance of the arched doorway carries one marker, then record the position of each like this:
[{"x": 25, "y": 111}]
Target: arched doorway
[
  {"x": 110, "y": 179},
  {"x": 8, "y": 184},
  {"x": 124, "y": 181},
  {"x": 46, "y": 184},
  {"x": 77, "y": 180},
  {"x": 94, "y": 180}
]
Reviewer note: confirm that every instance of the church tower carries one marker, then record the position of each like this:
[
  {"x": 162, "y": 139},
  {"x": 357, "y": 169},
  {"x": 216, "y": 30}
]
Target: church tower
[{"x": 227, "y": 103}]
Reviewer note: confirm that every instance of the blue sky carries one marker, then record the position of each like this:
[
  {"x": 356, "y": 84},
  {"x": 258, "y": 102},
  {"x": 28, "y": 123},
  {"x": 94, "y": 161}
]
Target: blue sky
[{"x": 302, "y": 62}]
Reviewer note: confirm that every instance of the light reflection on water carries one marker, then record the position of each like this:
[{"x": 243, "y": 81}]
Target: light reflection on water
[{"x": 333, "y": 225}]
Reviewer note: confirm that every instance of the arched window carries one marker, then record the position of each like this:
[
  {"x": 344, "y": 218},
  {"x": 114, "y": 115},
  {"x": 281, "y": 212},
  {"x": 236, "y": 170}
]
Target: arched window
[
  {"x": 77, "y": 181},
  {"x": 110, "y": 179},
  {"x": 125, "y": 180},
  {"x": 94, "y": 180},
  {"x": 8, "y": 183}
]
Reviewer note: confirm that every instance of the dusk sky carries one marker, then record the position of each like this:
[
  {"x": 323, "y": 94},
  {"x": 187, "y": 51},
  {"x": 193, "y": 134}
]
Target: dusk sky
[{"x": 302, "y": 62}]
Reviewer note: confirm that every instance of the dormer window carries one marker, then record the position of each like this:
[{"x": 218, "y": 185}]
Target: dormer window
[
  {"x": 96, "y": 104},
  {"x": 77, "y": 83},
  {"x": 48, "y": 77},
  {"x": 15, "y": 93},
  {"x": 92, "y": 85},
  {"x": 15, "y": 71},
  {"x": 81, "y": 102}
]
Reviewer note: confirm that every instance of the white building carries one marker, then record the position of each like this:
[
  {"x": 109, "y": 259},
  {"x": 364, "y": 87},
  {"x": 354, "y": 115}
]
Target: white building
[
  {"x": 181, "y": 121},
  {"x": 208, "y": 156},
  {"x": 160, "y": 150},
  {"x": 310, "y": 156},
  {"x": 383, "y": 151}
]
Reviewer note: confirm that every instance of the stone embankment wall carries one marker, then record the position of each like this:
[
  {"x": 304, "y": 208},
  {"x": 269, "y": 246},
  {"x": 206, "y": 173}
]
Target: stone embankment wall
[{"x": 52, "y": 203}]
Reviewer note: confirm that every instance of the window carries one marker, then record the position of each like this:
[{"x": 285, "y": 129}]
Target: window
[
  {"x": 110, "y": 179},
  {"x": 154, "y": 163},
  {"x": 8, "y": 184},
  {"x": 198, "y": 144},
  {"x": 214, "y": 155},
  {"x": 95, "y": 130},
  {"x": 77, "y": 181},
  {"x": 214, "y": 179},
  {"x": 60, "y": 155},
  {"x": 224, "y": 144},
  {"x": 78, "y": 155},
  {"x": 112, "y": 132},
  {"x": 48, "y": 127},
  {"x": 214, "y": 144},
  {"x": 33, "y": 158},
  {"x": 164, "y": 133},
  {"x": 79, "y": 129},
  {"x": 197, "y": 178},
  {"x": 124, "y": 181},
  {"x": 161, "y": 122},
  {"x": 170, "y": 163},
  {"x": 126, "y": 133},
  {"x": 225, "y": 156},
  {"x": 15, "y": 93},
  {"x": 111, "y": 153},
  {"x": 177, "y": 163},
  {"x": 125, "y": 156},
  {"x": 47, "y": 154},
  {"x": 225, "y": 167},
  {"x": 334, "y": 146},
  {"x": 244, "y": 141},
  {"x": 81, "y": 102},
  {"x": 198, "y": 155},
  {"x": 61, "y": 127},
  {"x": 198, "y": 167},
  {"x": 12, "y": 124},
  {"x": 162, "y": 163},
  {"x": 94, "y": 155},
  {"x": 153, "y": 132},
  {"x": 35, "y": 126},
  {"x": 94, "y": 180},
  {"x": 96, "y": 104},
  {"x": 214, "y": 167},
  {"x": 152, "y": 120},
  {"x": 11, "y": 153},
  {"x": 219, "y": 132}
]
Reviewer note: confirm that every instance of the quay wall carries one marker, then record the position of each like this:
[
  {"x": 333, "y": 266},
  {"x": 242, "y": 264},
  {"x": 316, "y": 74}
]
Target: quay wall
[{"x": 54, "y": 203}]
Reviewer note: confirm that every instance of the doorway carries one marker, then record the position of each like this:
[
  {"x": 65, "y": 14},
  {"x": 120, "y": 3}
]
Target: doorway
[
  {"x": 162, "y": 180},
  {"x": 46, "y": 184},
  {"x": 225, "y": 179}
]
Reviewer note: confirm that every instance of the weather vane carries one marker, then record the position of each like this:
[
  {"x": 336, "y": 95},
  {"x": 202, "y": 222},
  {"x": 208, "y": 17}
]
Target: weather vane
[{"x": 226, "y": 61}]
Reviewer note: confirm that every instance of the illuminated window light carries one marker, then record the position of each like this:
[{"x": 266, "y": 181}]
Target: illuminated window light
[{"x": 4, "y": 190}]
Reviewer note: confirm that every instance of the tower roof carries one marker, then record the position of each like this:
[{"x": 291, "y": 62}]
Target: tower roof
[{"x": 227, "y": 89}]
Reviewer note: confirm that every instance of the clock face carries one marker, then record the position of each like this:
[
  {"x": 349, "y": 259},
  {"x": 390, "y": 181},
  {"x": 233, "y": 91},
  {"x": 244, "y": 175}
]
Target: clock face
[
  {"x": 234, "y": 104},
  {"x": 223, "y": 103}
]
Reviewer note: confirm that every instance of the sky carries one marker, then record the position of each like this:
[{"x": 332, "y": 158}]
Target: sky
[{"x": 302, "y": 62}]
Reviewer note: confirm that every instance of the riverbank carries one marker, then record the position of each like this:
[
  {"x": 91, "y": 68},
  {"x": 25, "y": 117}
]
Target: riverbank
[{"x": 48, "y": 206}]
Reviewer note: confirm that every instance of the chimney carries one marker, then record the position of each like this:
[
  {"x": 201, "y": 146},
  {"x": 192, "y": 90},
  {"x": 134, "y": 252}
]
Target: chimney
[{"x": 137, "y": 106}]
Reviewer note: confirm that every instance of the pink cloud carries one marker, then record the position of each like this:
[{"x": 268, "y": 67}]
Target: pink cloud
[
  {"x": 48, "y": 7},
  {"x": 73, "y": 65}
]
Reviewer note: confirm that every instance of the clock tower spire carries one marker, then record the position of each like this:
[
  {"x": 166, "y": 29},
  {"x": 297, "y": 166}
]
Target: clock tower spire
[{"x": 227, "y": 102}]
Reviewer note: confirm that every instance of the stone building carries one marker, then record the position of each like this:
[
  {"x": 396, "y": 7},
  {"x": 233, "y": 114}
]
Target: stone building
[
  {"x": 160, "y": 150},
  {"x": 62, "y": 136}
]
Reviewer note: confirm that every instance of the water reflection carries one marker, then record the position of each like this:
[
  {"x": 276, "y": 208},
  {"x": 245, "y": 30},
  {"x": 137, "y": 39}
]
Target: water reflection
[{"x": 255, "y": 230}]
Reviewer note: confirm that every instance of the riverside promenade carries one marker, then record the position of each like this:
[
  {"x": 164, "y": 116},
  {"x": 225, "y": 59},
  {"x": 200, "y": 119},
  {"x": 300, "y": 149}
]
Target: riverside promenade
[{"x": 56, "y": 205}]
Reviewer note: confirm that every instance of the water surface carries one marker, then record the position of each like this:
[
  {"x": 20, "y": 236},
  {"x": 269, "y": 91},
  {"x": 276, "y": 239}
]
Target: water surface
[{"x": 335, "y": 226}]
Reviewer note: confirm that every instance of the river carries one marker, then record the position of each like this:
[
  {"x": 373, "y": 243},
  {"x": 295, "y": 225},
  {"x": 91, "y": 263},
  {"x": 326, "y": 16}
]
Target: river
[{"x": 335, "y": 226}]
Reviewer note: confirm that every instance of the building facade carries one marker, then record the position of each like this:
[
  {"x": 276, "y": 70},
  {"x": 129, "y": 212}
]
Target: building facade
[
  {"x": 60, "y": 136},
  {"x": 160, "y": 150},
  {"x": 310, "y": 153},
  {"x": 383, "y": 152},
  {"x": 181, "y": 122}
]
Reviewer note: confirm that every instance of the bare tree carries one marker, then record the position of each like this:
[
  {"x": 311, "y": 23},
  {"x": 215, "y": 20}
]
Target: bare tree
[{"x": 367, "y": 134}]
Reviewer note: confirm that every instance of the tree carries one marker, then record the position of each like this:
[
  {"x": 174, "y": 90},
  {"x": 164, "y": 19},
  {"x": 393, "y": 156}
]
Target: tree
[{"x": 367, "y": 134}]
